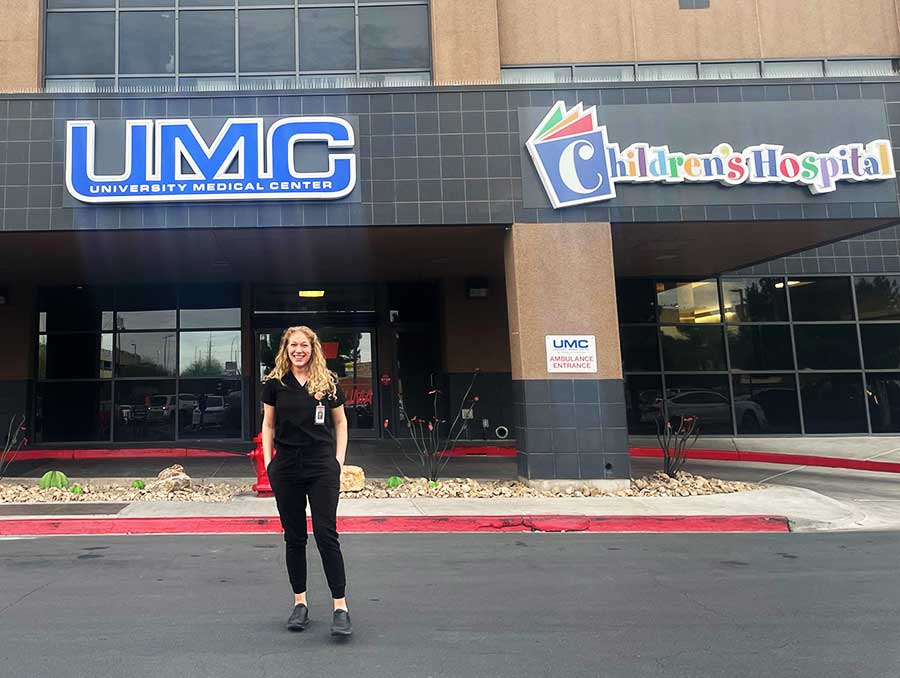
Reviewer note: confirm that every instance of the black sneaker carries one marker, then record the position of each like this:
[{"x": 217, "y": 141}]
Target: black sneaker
[
  {"x": 299, "y": 618},
  {"x": 340, "y": 626}
]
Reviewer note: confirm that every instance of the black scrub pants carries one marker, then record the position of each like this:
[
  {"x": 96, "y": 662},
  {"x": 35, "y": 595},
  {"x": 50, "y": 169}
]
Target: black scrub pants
[{"x": 313, "y": 473}]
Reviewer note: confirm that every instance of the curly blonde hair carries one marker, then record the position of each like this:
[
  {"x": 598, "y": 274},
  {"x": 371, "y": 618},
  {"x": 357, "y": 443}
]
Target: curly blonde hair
[{"x": 322, "y": 381}]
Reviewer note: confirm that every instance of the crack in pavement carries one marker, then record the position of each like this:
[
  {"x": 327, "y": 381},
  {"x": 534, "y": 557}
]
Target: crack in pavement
[{"x": 13, "y": 604}]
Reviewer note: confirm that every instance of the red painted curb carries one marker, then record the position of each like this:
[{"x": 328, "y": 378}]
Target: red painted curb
[
  {"x": 16, "y": 527},
  {"x": 777, "y": 458},
  {"x": 148, "y": 453},
  {"x": 485, "y": 451}
]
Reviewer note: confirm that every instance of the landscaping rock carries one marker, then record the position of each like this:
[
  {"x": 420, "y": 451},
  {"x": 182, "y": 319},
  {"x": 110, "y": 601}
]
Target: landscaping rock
[{"x": 352, "y": 479}]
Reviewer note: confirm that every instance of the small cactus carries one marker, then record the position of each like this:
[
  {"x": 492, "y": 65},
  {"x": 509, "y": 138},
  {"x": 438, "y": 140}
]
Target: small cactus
[
  {"x": 76, "y": 489},
  {"x": 394, "y": 482},
  {"x": 54, "y": 479},
  {"x": 138, "y": 485}
]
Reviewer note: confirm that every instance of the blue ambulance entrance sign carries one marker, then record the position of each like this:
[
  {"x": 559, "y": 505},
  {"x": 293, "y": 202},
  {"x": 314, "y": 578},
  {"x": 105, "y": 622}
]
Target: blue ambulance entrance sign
[{"x": 169, "y": 161}]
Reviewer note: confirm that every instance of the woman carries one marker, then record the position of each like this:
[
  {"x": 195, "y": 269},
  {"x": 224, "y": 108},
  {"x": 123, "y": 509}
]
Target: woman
[{"x": 304, "y": 421}]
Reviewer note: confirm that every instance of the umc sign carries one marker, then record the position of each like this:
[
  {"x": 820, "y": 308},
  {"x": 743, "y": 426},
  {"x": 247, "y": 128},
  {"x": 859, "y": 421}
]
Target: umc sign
[{"x": 169, "y": 161}]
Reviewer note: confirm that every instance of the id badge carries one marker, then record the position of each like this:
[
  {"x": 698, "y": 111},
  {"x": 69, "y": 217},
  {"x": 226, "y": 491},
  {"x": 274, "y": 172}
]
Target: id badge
[{"x": 320, "y": 413}]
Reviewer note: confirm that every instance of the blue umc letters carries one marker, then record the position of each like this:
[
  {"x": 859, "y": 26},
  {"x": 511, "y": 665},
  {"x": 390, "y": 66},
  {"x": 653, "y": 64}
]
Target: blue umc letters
[{"x": 169, "y": 161}]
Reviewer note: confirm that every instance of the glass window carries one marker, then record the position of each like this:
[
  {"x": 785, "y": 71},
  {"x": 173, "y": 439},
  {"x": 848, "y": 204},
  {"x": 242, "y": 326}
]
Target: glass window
[
  {"x": 833, "y": 403},
  {"x": 688, "y": 302},
  {"x": 80, "y": 4},
  {"x": 689, "y": 348},
  {"x": 827, "y": 347},
  {"x": 327, "y": 39},
  {"x": 760, "y": 347},
  {"x": 80, "y": 85},
  {"x": 535, "y": 76},
  {"x": 881, "y": 346},
  {"x": 75, "y": 308},
  {"x": 210, "y": 354},
  {"x": 267, "y": 40},
  {"x": 636, "y": 300},
  {"x": 395, "y": 79},
  {"x": 145, "y": 410},
  {"x": 754, "y": 299},
  {"x": 884, "y": 401},
  {"x": 640, "y": 350},
  {"x": 878, "y": 297},
  {"x": 145, "y": 354},
  {"x": 147, "y": 42},
  {"x": 643, "y": 402},
  {"x": 793, "y": 69},
  {"x": 349, "y": 355},
  {"x": 154, "y": 85},
  {"x": 209, "y": 408},
  {"x": 703, "y": 396},
  {"x": 146, "y": 3},
  {"x": 333, "y": 299},
  {"x": 80, "y": 43},
  {"x": 867, "y": 68},
  {"x": 206, "y": 42},
  {"x": 207, "y": 3},
  {"x": 75, "y": 356},
  {"x": 646, "y": 72},
  {"x": 146, "y": 308},
  {"x": 766, "y": 403},
  {"x": 821, "y": 298},
  {"x": 209, "y": 84},
  {"x": 208, "y": 306},
  {"x": 735, "y": 70},
  {"x": 604, "y": 73},
  {"x": 394, "y": 37},
  {"x": 72, "y": 411}
]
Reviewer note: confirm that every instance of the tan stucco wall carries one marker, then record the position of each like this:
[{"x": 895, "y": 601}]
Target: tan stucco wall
[
  {"x": 476, "y": 333},
  {"x": 465, "y": 47},
  {"x": 560, "y": 280},
  {"x": 20, "y": 45},
  {"x": 15, "y": 343},
  {"x": 582, "y": 31}
]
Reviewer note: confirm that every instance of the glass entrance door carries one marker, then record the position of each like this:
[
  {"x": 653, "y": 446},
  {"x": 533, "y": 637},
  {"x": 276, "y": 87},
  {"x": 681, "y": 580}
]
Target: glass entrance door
[{"x": 350, "y": 354}]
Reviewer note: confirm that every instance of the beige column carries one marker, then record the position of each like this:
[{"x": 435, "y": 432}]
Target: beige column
[
  {"x": 570, "y": 427},
  {"x": 465, "y": 43},
  {"x": 20, "y": 45}
]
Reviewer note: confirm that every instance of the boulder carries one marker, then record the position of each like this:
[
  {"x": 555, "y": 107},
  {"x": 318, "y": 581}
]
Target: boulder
[
  {"x": 171, "y": 479},
  {"x": 352, "y": 479}
]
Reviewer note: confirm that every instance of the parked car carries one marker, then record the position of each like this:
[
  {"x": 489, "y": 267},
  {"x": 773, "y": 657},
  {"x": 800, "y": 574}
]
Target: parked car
[
  {"x": 713, "y": 408},
  {"x": 212, "y": 415},
  {"x": 163, "y": 406}
]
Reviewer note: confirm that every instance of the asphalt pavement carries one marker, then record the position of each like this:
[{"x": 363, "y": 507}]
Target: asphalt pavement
[{"x": 823, "y": 605}]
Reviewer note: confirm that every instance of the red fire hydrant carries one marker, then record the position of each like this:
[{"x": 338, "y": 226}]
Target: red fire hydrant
[{"x": 262, "y": 486}]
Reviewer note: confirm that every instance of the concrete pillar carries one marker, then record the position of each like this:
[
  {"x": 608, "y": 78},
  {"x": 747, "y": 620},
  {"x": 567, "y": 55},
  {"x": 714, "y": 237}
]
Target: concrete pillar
[
  {"x": 570, "y": 427},
  {"x": 465, "y": 41}
]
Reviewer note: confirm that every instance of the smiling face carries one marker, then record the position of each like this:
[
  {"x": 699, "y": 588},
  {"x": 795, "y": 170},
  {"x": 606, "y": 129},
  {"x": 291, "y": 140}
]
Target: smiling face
[{"x": 299, "y": 349}]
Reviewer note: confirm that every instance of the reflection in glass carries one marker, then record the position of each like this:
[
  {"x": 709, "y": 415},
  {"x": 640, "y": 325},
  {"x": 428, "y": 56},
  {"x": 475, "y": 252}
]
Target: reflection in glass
[
  {"x": 75, "y": 308},
  {"x": 688, "y": 302},
  {"x": 702, "y": 396},
  {"x": 766, "y": 403},
  {"x": 640, "y": 350},
  {"x": 210, "y": 354},
  {"x": 75, "y": 356},
  {"x": 394, "y": 37},
  {"x": 833, "y": 403},
  {"x": 146, "y": 308},
  {"x": 884, "y": 401},
  {"x": 327, "y": 39},
  {"x": 878, "y": 297},
  {"x": 827, "y": 347},
  {"x": 760, "y": 347},
  {"x": 147, "y": 42},
  {"x": 643, "y": 399},
  {"x": 754, "y": 299},
  {"x": 206, "y": 42},
  {"x": 688, "y": 348},
  {"x": 80, "y": 43},
  {"x": 881, "y": 346},
  {"x": 145, "y": 354},
  {"x": 208, "y": 306},
  {"x": 266, "y": 40},
  {"x": 209, "y": 408},
  {"x": 72, "y": 411},
  {"x": 331, "y": 299},
  {"x": 145, "y": 410},
  {"x": 821, "y": 298},
  {"x": 636, "y": 300}
]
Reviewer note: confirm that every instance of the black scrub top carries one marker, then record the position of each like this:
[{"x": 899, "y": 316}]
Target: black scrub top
[{"x": 295, "y": 413}]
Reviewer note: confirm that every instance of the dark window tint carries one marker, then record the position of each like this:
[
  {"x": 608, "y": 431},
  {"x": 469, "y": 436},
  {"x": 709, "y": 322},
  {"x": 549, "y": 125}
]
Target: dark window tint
[
  {"x": 146, "y": 308},
  {"x": 72, "y": 411},
  {"x": 146, "y": 3},
  {"x": 760, "y": 347},
  {"x": 80, "y": 4},
  {"x": 267, "y": 40},
  {"x": 643, "y": 400},
  {"x": 75, "y": 308},
  {"x": 688, "y": 348},
  {"x": 702, "y": 396},
  {"x": 205, "y": 306},
  {"x": 881, "y": 346},
  {"x": 75, "y": 356},
  {"x": 754, "y": 299},
  {"x": 209, "y": 408},
  {"x": 688, "y": 302},
  {"x": 878, "y": 297},
  {"x": 315, "y": 299},
  {"x": 636, "y": 301},
  {"x": 833, "y": 403},
  {"x": 821, "y": 298},
  {"x": 884, "y": 401},
  {"x": 210, "y": 354},
  {"x": 640, "y": 350},
  {"x": 206, "y": 42},
  {"x": 766, "y": 403},
  {"x": 145, "y": 354},
  {"x": 419, "y": 302},
  {"x": 147, "y": 42},
  {"x": 327, "y": 39},
  {"x": 826, "y": 347},
  {"x": 145, "y": 410},
  {"x": 394, "y": 37},
  {"x": 80, "y": 43},
  {"x": 207, "y": 3}
]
